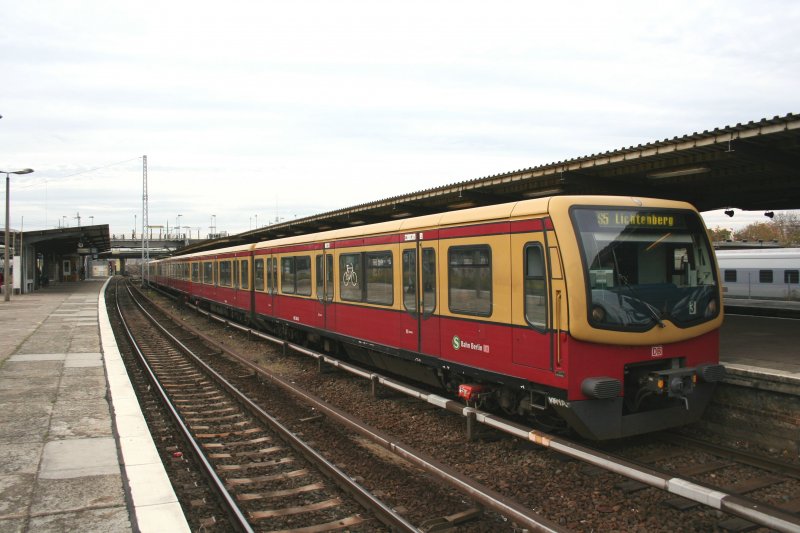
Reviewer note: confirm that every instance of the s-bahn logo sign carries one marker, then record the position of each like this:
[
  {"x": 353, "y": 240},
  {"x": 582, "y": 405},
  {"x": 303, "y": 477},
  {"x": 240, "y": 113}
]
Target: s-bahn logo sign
[{"x": 459, "y": 344}]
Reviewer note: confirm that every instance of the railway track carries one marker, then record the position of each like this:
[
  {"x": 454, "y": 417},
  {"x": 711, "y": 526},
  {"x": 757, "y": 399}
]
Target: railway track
[
  {"x": 263, "y": 483},
  {"x": 205, "y": 405},
  {"x": 758, "y": 481},
  {"x": 695, "y": 493}
]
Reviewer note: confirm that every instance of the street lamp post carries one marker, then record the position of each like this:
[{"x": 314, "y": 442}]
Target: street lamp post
[
  {"x": 178, "y": 225},
  {"x": 6, "y": 266}
]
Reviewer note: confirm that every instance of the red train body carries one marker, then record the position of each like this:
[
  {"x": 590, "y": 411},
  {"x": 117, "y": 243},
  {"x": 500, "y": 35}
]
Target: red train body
[{"x": 599, "y": 311}]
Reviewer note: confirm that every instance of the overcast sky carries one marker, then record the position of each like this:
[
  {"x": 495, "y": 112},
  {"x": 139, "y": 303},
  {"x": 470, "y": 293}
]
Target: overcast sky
[{"x": 267, "y": 109}]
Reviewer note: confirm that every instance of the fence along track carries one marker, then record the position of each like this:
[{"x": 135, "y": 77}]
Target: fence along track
[{"x": 241, "y": 447}]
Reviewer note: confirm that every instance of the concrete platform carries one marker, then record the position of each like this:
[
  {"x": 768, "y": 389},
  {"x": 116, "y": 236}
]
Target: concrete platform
[
  {"x": 749, "y": 306},
  {"x": 75, "y": 453},
  {"x": 762, "y": 352}
]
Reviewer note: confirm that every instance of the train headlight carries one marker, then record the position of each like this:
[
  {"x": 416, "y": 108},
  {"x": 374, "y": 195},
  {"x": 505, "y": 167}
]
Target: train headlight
[
  {"x": 598, "y": 314},
  {"x": 674, "y": 382}
]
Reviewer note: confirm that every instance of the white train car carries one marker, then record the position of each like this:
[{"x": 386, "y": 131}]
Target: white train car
[{"x": 767, "y": 273}]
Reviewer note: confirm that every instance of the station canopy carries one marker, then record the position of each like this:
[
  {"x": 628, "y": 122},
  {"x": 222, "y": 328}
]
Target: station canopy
[
  {"x": 82, "y": 240},
  {"x": 750, "y": 166}
]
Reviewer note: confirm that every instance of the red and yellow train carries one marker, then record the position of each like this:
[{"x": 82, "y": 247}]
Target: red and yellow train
[{"x": 599, "y": 311}]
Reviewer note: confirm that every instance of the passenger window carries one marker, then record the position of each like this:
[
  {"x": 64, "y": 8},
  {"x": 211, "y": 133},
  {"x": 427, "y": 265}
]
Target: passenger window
[
  {"x": 287, "y": 275},
  {"x": 225, "y": 273},
  {"x": 765, "y": 276},
  {"x": 535, "y": 286},
  {"x": 791, "y": 276},
  {"x": 350, "y": 273},
  {"x": 470, "y": 280},
  {"x": 380, "y": 285},
  {"x": 303, "y": 275},
  {"x": 244, "y": 278},
  {"x": 208, "y": 273},
  {"x": 410, "y": 280},
  {"x": 730, "y": 276},
  {"x": 258, "y": 275}
]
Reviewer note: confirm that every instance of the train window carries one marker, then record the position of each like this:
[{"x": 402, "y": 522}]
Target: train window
[
  {"x": 320, "y": 276},
  {"x": 791, "y": 276},
  {"x": 329, "y": 277},
  {"x": 288, "y": 275},
  {"x": 325, "y": 278},
  {"x": 428, "y": 280},
  {"x": 730, "y": 276},
  {"x": 350, "y": 270},
  {"x": 645, "y": 266},
  {"x": 208, "y": 272},
  {"x": 258, "y": 275},
  {"x": 765, "y": 276},
  {"x": 272, "y": 274},
  {"x": 535, "y": 286},
  {"x": 410, "y": 280},
  {"x": 235, "y": 274},
  {"x": 225, "y": 278},
  {"x": 470, "y": 280},
  {"x": 380, "y": 286},
  {"x": 303, "y": 275},
  {"x": 244, "y": 278}
]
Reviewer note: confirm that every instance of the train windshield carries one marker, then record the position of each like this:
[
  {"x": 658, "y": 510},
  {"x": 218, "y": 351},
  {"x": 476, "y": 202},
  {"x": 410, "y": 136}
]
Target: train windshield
[{"x": 646, "y": 266}]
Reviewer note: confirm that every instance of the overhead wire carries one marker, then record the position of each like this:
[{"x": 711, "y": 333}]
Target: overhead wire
[{"x": 37, "y": 180}]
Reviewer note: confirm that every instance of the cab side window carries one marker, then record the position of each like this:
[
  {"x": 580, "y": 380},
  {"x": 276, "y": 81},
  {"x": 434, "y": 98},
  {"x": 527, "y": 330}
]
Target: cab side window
[{"x": 535, "y": 286}]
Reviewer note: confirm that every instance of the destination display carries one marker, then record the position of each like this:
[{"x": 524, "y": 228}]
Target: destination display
[{"x": 639, "y": 219}]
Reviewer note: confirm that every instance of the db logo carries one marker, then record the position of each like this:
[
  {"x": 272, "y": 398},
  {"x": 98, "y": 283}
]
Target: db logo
[{"x": 656, "y": 351}]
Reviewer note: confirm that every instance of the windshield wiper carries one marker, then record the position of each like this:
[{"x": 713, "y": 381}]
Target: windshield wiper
[{"x": 653, "y": 310}]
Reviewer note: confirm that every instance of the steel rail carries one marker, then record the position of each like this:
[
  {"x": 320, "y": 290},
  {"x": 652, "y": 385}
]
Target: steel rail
[
  {"x": 484, "y": 495},
  {"x": 764, "y": 463},
  {"x": 758, "y": 513},
  {"x": 385, "y": 514},
  {"x": 238, "y": 519}
]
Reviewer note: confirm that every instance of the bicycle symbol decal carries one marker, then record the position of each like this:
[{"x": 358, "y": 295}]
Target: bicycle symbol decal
[{"x": 350, "y": 277}]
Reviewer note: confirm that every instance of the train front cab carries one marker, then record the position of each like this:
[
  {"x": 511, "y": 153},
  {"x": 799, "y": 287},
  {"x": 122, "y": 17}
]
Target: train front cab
[{"x": 642, "y": 347}]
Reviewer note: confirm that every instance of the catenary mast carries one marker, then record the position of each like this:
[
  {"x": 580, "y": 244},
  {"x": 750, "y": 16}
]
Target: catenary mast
[{"x": 145, "y": 225}]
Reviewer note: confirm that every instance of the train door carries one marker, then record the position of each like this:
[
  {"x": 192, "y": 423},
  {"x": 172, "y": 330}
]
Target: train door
[
  {"x": 324, "y": 274},
  {"x": 419, "y": 328},
  {"x": 533, "y": 341},
  {"x": 272, "y": 284},
  {"x": 243, "y": 294}
]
